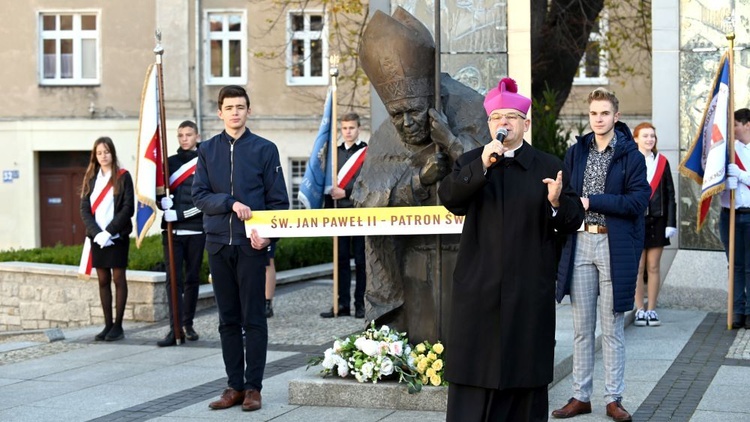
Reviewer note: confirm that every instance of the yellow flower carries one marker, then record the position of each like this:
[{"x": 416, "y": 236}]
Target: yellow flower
[
  {"x": 420, "y": 348},
  {"x": 435, "y": 380},
  {"x": 430, "y": 372},
  {"x": 422, "y": 366},
  {"x": 438, "y": 348},
  {"x": 431, "y": 356},
  {"x": 424, "y": 379},
  {"x": 437, "y": 365}
]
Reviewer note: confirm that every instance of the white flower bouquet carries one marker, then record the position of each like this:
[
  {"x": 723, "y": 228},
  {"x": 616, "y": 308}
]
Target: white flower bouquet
[{"x": 372, "y": 355}]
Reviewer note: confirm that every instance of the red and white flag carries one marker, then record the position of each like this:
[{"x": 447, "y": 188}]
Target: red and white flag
[{"x": 149, "y": 170}]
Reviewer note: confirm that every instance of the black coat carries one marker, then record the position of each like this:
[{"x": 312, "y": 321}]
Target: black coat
[
  {"x": 189, "y": 217},
  {"x": 342, "y": 156},
  {"x": 502, "y": 329},
  {"x": 662, "y": 203},
  {"x": 124, "y": 209}
]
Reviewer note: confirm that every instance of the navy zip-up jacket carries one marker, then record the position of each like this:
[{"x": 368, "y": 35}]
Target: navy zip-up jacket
[
  {"x": 623, "y": 203},
  {"x": 247, "y": 170}
]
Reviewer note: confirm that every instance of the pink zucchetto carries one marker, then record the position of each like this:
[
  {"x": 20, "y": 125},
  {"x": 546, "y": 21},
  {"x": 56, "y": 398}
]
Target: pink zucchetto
[{"x": 506, "y": 96}]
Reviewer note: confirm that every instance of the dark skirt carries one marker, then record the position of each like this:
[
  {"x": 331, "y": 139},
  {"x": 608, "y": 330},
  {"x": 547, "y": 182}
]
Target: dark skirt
[
  {"x": 115, "y": 256},
  {"x": 655, "y": 228}
]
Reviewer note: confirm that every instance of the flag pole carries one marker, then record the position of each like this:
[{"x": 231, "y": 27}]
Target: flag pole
[
  {"x": 438, "y": 238},
  {"x": 159, "y": 52},
  {"x": 730, "y": 152},
  {"x": 334, "y": 71}
]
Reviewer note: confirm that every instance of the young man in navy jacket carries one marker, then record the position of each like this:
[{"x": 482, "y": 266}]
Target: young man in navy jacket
[
  {"x": 238, "y": 172},
  {"x": 601, "y": 262}
]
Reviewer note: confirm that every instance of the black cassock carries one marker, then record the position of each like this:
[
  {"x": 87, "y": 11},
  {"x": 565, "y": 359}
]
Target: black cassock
[{"x": 502, "y": 327}]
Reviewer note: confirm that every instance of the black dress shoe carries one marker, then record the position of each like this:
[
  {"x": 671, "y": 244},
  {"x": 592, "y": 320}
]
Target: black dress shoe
[
  {"x": 103, "y": 335},
  {"x": 116, "y": 333},
  {"x": 170, "y": 340},
  {"x": 342, "y": 312},
  {"x": 190, "y": 334},
  {"x": 738, "y": 321},
  {"x": 359, "y": 312}
]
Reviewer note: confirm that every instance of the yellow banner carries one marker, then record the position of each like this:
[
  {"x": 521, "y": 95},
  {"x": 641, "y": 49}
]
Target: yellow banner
[{"x": 355, "y": 222}]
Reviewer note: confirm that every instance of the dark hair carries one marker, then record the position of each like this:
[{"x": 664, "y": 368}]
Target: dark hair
[
  {"x": 602, "y": 94},
  {"x": 646, "y": 125},
  {"x": 188, "y": 123},
  {"x": 233, "y": 91},
  {"x": 93, "y": 167},
  {"x": 350, "y": 117},
  {"x": 742, "y": 115}
]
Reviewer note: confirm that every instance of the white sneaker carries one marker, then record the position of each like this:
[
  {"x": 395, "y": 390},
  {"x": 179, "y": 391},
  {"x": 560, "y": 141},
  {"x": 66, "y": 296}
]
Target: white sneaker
[
  {"x": 640, "y": 318},
  {"x": 652, "y": 319}
]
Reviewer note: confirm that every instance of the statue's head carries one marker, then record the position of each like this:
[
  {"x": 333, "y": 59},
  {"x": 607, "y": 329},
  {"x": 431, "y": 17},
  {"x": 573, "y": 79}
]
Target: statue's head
[{"x": 398, "y": 55}]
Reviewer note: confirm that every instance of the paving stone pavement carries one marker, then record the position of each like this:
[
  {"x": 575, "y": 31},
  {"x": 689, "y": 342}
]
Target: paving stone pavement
[{"x": 690, "y": 369}]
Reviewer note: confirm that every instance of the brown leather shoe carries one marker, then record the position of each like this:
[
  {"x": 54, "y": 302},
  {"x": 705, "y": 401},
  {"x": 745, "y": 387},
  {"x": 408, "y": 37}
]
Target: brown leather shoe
[
  {"x": 573, "y": 408},
  {"x": 252, "y": 400},
  {"x": 618, "y": 413},
  {"x": 230, "y": 397}
]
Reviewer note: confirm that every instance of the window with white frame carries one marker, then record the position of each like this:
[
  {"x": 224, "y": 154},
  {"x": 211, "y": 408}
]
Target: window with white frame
[
  {"x": 307, "y": 48},
  {"x": 593, "y": 67},
  {"x": 226, "y": 37},
  {"x": 69, "y": 48},
  {"x": 297, "y": 172}
]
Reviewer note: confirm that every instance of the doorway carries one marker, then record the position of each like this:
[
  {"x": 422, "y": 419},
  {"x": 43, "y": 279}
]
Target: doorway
[{"x": 60, "y": 177}]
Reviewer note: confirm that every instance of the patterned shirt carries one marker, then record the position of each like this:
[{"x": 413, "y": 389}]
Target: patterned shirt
[{"x": 595, "y": 176}]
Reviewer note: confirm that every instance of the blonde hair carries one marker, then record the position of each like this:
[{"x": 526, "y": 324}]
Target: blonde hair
[{"x": 602, "y": 94}]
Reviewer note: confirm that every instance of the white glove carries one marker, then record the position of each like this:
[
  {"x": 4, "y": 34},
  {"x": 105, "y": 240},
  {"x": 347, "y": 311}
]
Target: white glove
[
  {"x": 109, "y": 243},
  {"x": 669, "y": 232},
  {"x": 170, "y": 215},
  {"x": 166, "y": 203},
  {"x": 102, "y": 238},
  {"x": 731, "y": 183},
  {"x": 733, "y": 170}
]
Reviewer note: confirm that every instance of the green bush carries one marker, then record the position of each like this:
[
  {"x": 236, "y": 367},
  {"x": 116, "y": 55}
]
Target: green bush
[
  {"x": 290, "y": 253},
  {"x": 549, "y": 134},
  {"x": 298, "y": 252}
]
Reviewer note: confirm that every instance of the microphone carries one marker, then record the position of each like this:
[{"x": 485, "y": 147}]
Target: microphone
[{"x": 500, "y": 136}]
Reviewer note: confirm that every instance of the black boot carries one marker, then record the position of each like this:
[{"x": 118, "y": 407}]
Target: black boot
[
  {"x": 269, "y": 308},
  {"x": 169, "y": 340},
  {"x": 190, "y": 334},
  {"x": 103, "y": 335},
  {"x": 116, "y": 333}
]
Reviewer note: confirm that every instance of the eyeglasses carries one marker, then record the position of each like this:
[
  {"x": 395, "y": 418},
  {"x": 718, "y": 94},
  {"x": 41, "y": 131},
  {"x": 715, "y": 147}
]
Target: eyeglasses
[{"x": 510, "y": 117}]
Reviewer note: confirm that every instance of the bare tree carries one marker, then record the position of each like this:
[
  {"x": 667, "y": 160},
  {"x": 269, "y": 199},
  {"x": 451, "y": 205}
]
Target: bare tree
[
  {"x": 560, "y": 37},
  {"x": 560, "y": 31}
]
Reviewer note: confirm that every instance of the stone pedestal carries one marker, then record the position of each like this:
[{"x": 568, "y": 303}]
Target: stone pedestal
[{"x": 314, "y": 390}]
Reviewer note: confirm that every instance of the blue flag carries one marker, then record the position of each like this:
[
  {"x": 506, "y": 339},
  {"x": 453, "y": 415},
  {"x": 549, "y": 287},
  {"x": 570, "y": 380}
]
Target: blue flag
[
  {"x": 318, "y": 174},
  {"x": 706, "y": 161}
]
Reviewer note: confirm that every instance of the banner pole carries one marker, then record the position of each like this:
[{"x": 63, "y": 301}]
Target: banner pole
[
  {"x": 334, "y": 71},
  {"x": 730, "y": 153},
  {"x": 176, "y": 321}
]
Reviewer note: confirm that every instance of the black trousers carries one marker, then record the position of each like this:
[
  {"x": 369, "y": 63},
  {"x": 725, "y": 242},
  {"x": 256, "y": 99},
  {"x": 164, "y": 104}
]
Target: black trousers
[
  {"x": 473, "y": 404},
  {"x": 188, "y": 257},
  {"x": 348, "y": 246},
  {"x": 239, "y": 281}
]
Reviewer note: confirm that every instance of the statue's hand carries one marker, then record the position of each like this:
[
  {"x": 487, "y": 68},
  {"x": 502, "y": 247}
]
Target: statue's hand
[
  {"x": 440, "y": 132},
  {"x": 435, "y": 169}
]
